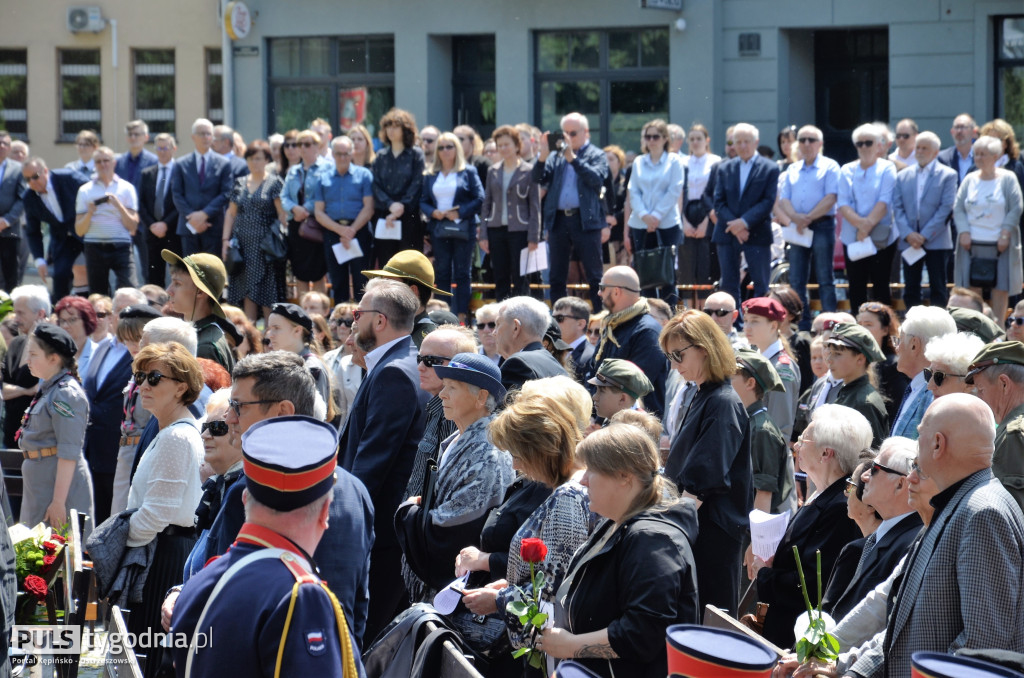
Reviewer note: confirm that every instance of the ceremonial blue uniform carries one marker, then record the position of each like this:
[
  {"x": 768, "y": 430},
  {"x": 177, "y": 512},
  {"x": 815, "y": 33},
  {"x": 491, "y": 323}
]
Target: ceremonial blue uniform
[{"x": 246, "y": 621}]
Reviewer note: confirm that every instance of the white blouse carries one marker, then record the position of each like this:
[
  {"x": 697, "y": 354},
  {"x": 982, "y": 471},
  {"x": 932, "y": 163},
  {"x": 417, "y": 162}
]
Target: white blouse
[
  {"x": 986, "y": 209},
  {"x": 444, "y": 190},
  {"x": 699, "y": 172},
  {"x": 166, "y": 489}
]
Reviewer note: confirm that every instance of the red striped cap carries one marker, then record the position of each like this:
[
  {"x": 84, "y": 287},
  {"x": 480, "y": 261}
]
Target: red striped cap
[{"x": 289, "y": 462}]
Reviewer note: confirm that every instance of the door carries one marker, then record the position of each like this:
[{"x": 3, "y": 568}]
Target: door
[{"x": 474, "y": 102}]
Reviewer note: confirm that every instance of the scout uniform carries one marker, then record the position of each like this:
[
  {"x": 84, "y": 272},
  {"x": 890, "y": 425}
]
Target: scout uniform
[
  {"x": 261, "y": 609},
  {"x": 209, "y": 275},
  {"x": 782, "y": 405},
  {"x": 294, "y": 314},
  {"x": 978, "y": 324},
  {"x": 412, "y": 268},
  {"x": 859, "y": 394},
  {"x": 53, "y": 428},
  {"x": 1008, "y": 457},
  {"x": 623, "y": 375},
  {"x": 769, "y": 454}
]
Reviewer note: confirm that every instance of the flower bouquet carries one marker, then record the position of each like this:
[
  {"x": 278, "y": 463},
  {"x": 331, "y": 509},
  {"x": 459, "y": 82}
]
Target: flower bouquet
[
  {"x": 37, "y": 555},
  {"x": 816, "y": 643},
  {"x": 532, "y": 551}
]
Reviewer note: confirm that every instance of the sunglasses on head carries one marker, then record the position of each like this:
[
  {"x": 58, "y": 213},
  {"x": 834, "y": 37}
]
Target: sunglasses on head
[
  {"x": 216, "y": 428},
  {"x": 432, "y": 360},
  {"x": 939, "y": 377},
  {"x": 152, "y": 378},
  {"x": 719, "y": 312}
]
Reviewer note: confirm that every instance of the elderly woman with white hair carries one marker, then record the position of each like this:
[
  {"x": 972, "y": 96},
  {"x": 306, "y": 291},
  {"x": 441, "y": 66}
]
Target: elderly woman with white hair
[
  {"x": 865, "y": 202},
  {"x": 987, "y": 211},
  {"x": 950, "y": 355},
  {"x": 829, "y": 450}
]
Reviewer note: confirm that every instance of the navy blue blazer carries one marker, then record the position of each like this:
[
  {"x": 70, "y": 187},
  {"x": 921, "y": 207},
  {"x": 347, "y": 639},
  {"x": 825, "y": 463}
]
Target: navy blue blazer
[
  {"x": 147, "y": 198},
  {"x": 951, "y": 158},
  {"x": 533, "y": 362},
  {"x": 469, "y": 198},
  {"x": 591, "y": 167},
  {"x": 581, "y": 357},
  {"x": 211, "y": 197},
  {"x": 66, "y": 183},
  {"x": 382, "y": 432},
  {"x": 148, "y": 159},
  {"x": 239, "y": 168},
  {"x": 754, "y": 205},
  {"x": 106, "y": 402}
]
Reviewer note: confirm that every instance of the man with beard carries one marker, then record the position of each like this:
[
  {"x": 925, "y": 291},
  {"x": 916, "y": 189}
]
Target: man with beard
[{"x": 383, "y": 429}]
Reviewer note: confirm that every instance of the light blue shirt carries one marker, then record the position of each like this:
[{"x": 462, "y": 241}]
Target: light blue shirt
[
  {"x": 569, "y": 197},
  {"x": 297, "y": 176},
  {"x": 343, "y": 194},
  {"x": 862, "y": 189},
  {"x": 804, "y": 186},
  {"x": 654, "y": 188},
  {"x": 745, "y": 167}
]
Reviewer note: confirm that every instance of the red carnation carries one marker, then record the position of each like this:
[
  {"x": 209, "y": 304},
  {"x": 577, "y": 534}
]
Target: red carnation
[
  {"x": 533, "y": 550},
  {"x": 60, "y": 539},
  {"x": 36, "y": 586},
  {"x": 50, "y": 547}
]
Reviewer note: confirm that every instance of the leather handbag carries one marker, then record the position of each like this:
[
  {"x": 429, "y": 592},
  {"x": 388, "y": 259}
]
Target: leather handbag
[
  {"x": 655, "y": 266},
  {"x": 984, "y": 272},
  {"x": 274, "y": 246},
  {"x": 446, "y": 229},
  {"x": 484, "y": 634},
  {"x": 233, "y": 263},
  {"x": 311, "y": 230}
]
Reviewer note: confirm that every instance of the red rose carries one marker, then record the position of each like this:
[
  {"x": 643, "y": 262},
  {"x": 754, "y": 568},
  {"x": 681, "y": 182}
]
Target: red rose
[
  {"x": 533, "y": 550},
  {"x": 36, "y": 586},
  {"x": 60, "y": 539},
  {"x": 50, "y": 547},
  {"x": 48, "y": 563}
]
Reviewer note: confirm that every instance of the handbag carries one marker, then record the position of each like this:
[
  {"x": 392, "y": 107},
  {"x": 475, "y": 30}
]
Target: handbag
[
  {"x": 695, "y": 211},
  {"x": 274, "y": 246},
  {"x": 485, "y": 634},
  {"x": 394, "y": 653},
  {"x": 234, "y": 263},
  {"x": 311, "y": 230},
  {"x": 446, "y": 229},
  {"x": 655, "y": 266},
  {"x": 984, "y": 272}
]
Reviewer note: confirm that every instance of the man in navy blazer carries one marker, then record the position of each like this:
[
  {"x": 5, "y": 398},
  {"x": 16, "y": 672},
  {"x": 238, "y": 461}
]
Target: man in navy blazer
[
  {"x": 572, "y": 315},
  {"x": 960, "y": 156},
  {"x": 51, "y": 198},
  {"x": 519, "y": 328},
  {"x": 573, "y": 215},
  {"x": 157, "y": 214},
  {"x": 745, "y": 191},
  {"x": 224, "y": 143},
  {"x": 12, "y": 187},
  {"x": 200, "y": 184},
  {"x": 921, "y": 204},
  {"x": 129, "y": 166},
  {"x": 383, "y": 429}
]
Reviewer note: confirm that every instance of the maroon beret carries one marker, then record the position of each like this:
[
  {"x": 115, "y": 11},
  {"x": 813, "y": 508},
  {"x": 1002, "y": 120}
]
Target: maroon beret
[{"x": 765, "y": 306}]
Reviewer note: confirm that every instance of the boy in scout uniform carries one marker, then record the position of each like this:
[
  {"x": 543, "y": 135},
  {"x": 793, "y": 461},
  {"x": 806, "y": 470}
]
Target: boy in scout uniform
[
  {"x": 261, "y": 609},
  {"x": 620, "y": 386},
  {"x": 851, "y": 350},
  {"x": 197, "y": 281},
  {"x": 52, "y": 434}
]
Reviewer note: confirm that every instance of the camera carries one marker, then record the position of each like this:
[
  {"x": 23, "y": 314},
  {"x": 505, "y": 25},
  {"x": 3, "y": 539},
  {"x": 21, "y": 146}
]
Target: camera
[{"x": 556, "y": 141}]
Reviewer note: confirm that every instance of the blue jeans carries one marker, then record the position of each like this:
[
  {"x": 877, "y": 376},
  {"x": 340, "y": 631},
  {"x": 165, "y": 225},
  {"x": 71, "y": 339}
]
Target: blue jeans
[
  {"x": 642, "y": 240},
  {"x": 820, "y": 255},
  {"x": 453, "y": 260},
  {"x": 759, "y": 266},
  {"x": 936, "y": 261}
]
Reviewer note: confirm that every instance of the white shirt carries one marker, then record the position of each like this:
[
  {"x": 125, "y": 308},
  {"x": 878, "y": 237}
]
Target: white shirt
[
  {"x": 373, "y": 357},
  {"x": 444, "y": 190},
  {"x": 917, "y": 384},
  {"x": 699, "y": 172},
  {"x": 986, "y": 209},
  {"x": 830, "y": 384},
  {"x": 910, "y": 160},
  {"x": 50, "y": 199},
  {"x": 922, "y": 177},
  {"x": 105, "y": 225},
  {"x": 745, "y": 167}
]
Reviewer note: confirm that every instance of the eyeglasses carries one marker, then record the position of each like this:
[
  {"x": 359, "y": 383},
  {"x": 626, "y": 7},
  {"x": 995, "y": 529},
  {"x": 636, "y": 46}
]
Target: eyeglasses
[
  {"x": 876, "y": 467},
  {"x": 357, "y": 314},
  {"x": 570, "y": 134},
  {"x": 306, "y": 144},
  {"x": 939, "y": 377},
  {"x": 651, "y": 137},
  {"x": 216, "y": 428},
  {"x": 903, "y": 135},
  {"x": 1014, "y": 320},
  {"x": 916, "y": 468},
  {"x": 152, "y": 378},
  {"x": 808, "y": 140},
  {"x": 486, "y": 326},
  {"x": 237, "y": 405},
  {"x": 717, "y": 312},
  {"x": 851, "y": 487},
  {"x": 289, "y": 144},
  {"x": 446, "y": 147},
  {"x": 101, "y": 161},
  {"x": 33, "y": 177},
  {"x": 560, "y": 317},
  {"x": 602, "y": 287},
  {"x": 340, "y": 154},
  {"x": 431, "y": 360},
  {"x": 896, "y": 341},
  {"x": 677, "y": 356},
  {"x": 136, "y": 134},
  {"x": 347, "y": 322},
  {"x": 864, "y": 143},
  {"x": 463, "y": 139}
]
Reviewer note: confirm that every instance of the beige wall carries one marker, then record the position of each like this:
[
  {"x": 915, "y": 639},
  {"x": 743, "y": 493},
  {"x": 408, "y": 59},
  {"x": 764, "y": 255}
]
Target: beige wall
[{"x": 189, "y": 26}]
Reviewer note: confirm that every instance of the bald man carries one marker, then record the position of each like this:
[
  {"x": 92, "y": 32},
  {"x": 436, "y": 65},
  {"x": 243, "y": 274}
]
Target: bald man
[
  {"x": 722, "y": 309},
  {"x": 964, "y": 583},
  {"x": 630, "y": 333}
]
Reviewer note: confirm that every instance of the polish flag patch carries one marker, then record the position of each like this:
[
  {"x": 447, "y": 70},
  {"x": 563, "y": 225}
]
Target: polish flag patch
[{"x": 315, "y": 644}]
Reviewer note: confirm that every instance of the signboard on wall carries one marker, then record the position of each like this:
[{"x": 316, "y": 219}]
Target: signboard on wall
[
  {"x": 674, "y": 5},
  {"x": 352, "y": 106}
]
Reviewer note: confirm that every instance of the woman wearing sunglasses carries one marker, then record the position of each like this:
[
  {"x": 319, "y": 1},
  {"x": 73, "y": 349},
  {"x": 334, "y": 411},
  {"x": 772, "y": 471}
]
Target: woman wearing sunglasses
[
  {"x": 950, "y": 355},
  {"x": 297, "y": 197},
  {"x": 165, "y": 490}
]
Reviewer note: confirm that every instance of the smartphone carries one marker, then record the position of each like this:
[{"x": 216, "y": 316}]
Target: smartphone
[
  {"x": 556, "y": 140},
  {"x": 100, "y": 201}
]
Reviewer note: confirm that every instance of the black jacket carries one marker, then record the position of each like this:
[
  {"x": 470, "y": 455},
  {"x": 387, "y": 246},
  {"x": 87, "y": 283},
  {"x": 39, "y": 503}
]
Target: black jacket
[
  {"x": 533, "y": 362},
  {"x": 860, "y": 395},
  {"x": 640, "y": 582},
  {"x": 638, "y": 343}
]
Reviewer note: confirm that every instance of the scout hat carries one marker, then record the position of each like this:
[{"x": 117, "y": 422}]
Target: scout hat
[
  {"x": 293, "y": 313},
  {"x": 554, "y": 334},
  {"x": 623, "y": 375},
  {"x": 760, "y": 368},
  {"x": 859, "y": 339},
  {"x": 289, "y": 461},
  {"x": 979, "y": 324},
  {"x": 1002, "y": 353},
  {"x": 940, "y": 665},
  {"x": 139, "y": 311},
  {"x": 475, "y": 369},
  {"x": 410, "y": 266},
  {"x": 767, "y": 307},
  {"x": 705, "y": 652},
  {"x": 207, "y": 272},
  {"x": 56, "y": 338}
]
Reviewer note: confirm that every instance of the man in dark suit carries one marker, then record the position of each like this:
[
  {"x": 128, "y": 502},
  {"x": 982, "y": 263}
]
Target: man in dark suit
[
  {"x": 12, "y": 187},
  {"x": 129, "y": 167},
  {"x": 572, "y": 315},
  {"x": 200, "y": 184},
  {"x": 224, "y": 143},
  {"x": 960, "y": 156},
  {"x": 745, "y": 191},
  {"x": 383, "y": 429},
  {"x": 52, "y": 199},
  {"x": 157, "y": 212},
  {"x": 520, "y": 327},
  {"x": 573, "y": 215}
]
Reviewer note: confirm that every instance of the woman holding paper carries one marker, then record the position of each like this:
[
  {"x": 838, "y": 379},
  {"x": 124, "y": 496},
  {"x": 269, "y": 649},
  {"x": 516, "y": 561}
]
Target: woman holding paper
[
  {"x": 254, "y": 208},
  {"x": 397, "y": 182},
  {"x": 451, "y": 197},
  {"x": 865, "y": 203}
]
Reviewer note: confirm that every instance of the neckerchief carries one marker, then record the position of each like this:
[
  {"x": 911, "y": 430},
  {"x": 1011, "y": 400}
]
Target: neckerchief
[
  {"x": 616, "y": 319},
  {"x": 35, "y": 399}
]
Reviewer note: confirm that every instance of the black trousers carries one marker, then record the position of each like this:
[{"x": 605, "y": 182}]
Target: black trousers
[
  {"x": 566, "y": 239},
  {"x": 718, "y": 555},
  {"x": 102, "y": 494},
  {"x": 10, "y": 248},
  {"x": 387, "y": 590},
  {"x": 102, "y": 258},
  {"x": 874, "y": 269},
  {"x": 936, "y": 261},
  {"x": 506, "y": 247},
  {"x": 156, "y": 271}
]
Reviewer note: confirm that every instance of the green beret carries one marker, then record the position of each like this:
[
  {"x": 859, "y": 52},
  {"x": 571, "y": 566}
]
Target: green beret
[
  {"x": 1002, "y": 353},
  {"x": 979, "y": 324},
  {"x": 859, "y": 339},
  {"x": 624, "y": 376},
  {"x": 760, "y": 368}
]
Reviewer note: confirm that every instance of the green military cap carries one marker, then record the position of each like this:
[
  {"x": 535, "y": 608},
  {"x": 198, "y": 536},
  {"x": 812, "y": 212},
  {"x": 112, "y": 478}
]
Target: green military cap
[
  {"x": 979, "y": 324},
  {"x": 623, "y": 375},
  {"x": 859, "y": 339},
  {"x": 1002, "y": 353},
  {"x": 760, "y": 368}
]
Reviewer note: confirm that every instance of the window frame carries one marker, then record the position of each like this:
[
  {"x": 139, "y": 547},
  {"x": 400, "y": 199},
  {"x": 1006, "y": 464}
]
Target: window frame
[
  {"x": 999, "y": 63},
  {"x": 155, "y": 115},
  {"x": 19, "y": 114},
  {"x": 97, "y": 126},
  {"x": 214, "y": 115}
]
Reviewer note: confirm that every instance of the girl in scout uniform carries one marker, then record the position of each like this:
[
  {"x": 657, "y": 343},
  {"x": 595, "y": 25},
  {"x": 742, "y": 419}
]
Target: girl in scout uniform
[
  {"x": 56, "y": 475},
  {"x": 762, "y": 319},
  {"x": 852, "y": 349}
]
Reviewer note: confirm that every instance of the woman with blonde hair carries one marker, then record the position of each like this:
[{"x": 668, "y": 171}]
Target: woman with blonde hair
[
  {"x": 297, "y": 198},
  {"x": 710, "y": 456},
  {"x": 362, "y": 146}
]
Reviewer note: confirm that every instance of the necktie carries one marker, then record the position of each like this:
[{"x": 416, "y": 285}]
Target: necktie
[
  {"x": 202, "y": 169},
  {"x": 84, "y": 169},
  {"x": 869, "y": 546},
  {"x": 158, "y": 204},
  {"x": 833, "y": 392},
  {"x": 903, "y": 404}
]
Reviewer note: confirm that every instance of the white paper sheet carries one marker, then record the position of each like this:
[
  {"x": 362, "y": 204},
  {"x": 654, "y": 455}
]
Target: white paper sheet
[
  {"x": 385, "y": 232},
  {"x": 531, "y": 262},
  {"x": 912, "y": 255},
  {"x": 345, "y": 254},
  {"x": 793, "y": 236},
  {"x": 447, "y": 599},
  {"x": 766, "y": 532},
  {"x": 862, "y": 249}
]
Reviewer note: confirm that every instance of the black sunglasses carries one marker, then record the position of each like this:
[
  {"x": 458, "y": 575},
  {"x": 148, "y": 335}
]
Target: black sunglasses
[
  {"x": 491, "y": 325},
  {"x": 152, "y": 378},
  {"x": 1014, "y": 320},
  {"x": 939, "y": 377},
  {"x": 851, "y": 486},
  {"x": 347, "y": 322},
  {"x": 808, "y": 140},
  {"x": 864, "y": 143},
  {"x": 720, "y": 312},
  {"x": 559, "y": 317},
  {"x": 602, "y": 287},
  {"x": 903, "y": 135},
  {"x": 677, "y": 356},
  {"x": 216, "y": 428},
  {"x": 432, "y": 360},
  {"x": 446, "y": 147},
  {"x": 651, "y": 137},
  {"x": 876, "y": 467},
  {"x": 237, "y": 405}
]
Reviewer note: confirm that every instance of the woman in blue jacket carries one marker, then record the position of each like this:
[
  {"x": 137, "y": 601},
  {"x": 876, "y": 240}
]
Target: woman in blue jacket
[{"x": 452, "y": 196}]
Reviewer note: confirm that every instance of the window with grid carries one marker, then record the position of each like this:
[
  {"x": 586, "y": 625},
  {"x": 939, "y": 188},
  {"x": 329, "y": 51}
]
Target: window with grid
[
  {"x": 14, "y": 92},
  {"x": 79, "y": 71},
  {"x": 154, "y": 88},
  {"x": 214, "y": 86},
  {"x": 1009, "y": 72}
]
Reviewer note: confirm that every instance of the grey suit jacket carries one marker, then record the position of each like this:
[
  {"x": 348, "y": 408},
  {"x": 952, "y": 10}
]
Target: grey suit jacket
[
  {"x": 12, "y": 188},
  {"x": 932, "y": 221},
  {"x": 964, "y": 585}
]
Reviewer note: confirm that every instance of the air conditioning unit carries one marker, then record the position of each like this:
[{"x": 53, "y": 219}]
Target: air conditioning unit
[{"x": 85, "y": 20}]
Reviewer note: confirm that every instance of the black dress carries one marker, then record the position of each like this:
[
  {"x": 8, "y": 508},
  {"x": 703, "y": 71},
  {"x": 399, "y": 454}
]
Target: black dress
[
  {"x": 257, "y": 214},
  {"x": 306, "y": 257},
  {"x": 19, "y": 375}
]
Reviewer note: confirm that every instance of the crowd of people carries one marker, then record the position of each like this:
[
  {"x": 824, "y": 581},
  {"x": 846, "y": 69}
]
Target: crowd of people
[{"x": 389, "y": 441}]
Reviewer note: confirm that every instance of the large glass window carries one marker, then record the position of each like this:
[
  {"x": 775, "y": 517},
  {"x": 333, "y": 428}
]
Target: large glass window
[
  {"x": 1009, "y": 71},
  {"x": 214, "y": 86},
  {"x": 346, "y": 80},
  {"x": 14, "y": 92},
  {"x": 79, "y": 92},
  {"x": 618, "y": 79},
  {"x": 154, "y": 88}
]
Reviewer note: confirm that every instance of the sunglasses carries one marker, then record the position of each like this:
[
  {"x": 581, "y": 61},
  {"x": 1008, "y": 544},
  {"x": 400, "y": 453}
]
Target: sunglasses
[
  {"x": 868, "y": 143},
  {"x": 432, "y": 360},
  {"x": 939, "y": 377},
  {"x": 33, "y": 177},
  {"x": 851, "y": 487},
  {"x": 872, "y": 307},
  {"x": 216, "y": 428},
  {"x": 594, "y": 333},
  {"x": 808, "y": 140},
  {"x": 306, "y": 144},
  {"x": 356, "y": 315},
  {"x": 428, "y": 140},
  {"x": 903, "y": 136},
  {"x": 1014, "y": 320},
  {"x": 559, "y": 317},
  {"x": 571, "y": 134},
  {"x": 876, "y": 467},
  {"x": 602, "y": 287},
  {"x": 289, "y": 144},
  {"x": 718, "y": 312},
  {"x": 677, "y": 356},
  {"x": 446, "y": 147},
  {"x": 152, "y": 378},
  {"x": 486, "y": 326},
  {"x": 652, "y": 137},
  {"x": 347, "y": 322}
]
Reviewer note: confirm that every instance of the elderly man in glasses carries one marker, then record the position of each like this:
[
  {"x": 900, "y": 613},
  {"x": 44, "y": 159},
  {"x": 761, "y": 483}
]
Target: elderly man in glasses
[
  {"x": 923, "y": 323},
  {"x": 200, "y": 183}
]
